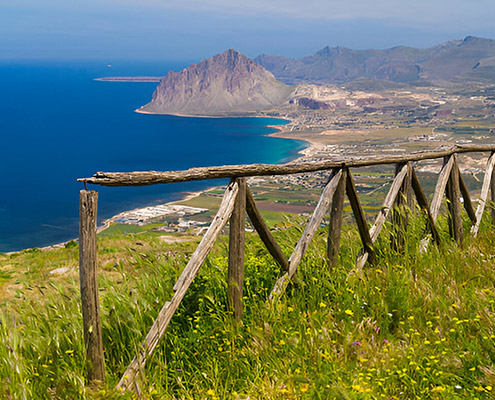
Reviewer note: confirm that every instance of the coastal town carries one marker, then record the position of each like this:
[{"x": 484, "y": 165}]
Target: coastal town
[{"x": 340, "y": 122}]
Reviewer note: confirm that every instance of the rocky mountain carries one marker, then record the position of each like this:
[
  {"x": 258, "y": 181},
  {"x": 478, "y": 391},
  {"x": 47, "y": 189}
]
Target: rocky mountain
[
  {"x": 228, "y": 83},
  {"x": 468, "y": 59}
]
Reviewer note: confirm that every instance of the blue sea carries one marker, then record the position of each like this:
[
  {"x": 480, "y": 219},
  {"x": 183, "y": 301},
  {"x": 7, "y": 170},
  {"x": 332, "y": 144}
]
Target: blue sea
[{"x": 58, "y": 124}]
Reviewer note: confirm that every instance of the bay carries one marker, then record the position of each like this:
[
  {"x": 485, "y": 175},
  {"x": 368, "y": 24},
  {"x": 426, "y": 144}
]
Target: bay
[{"x": 58, "y": 124}]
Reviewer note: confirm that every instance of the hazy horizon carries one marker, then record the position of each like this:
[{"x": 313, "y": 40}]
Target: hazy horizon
[{"x": 190, "y": 30}]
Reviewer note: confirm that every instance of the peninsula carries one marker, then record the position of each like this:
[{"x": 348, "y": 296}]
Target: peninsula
[{"x": 130, "y": 79}]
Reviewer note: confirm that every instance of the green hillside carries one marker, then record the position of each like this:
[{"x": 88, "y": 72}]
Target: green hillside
[{"x": 413, "y": 326}]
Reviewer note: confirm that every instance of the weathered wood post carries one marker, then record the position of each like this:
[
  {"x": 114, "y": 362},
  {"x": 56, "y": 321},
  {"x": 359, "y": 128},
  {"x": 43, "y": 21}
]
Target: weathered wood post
[
  {"x": 358, "y": 212},
  {"x": 236, "y": 250},
  {"x": 129, "y": 379},
  {"x": 492, "y": 193},
  {"x": 487, "y": 183},
  {"x": 454, "y": 203},
  {"x": 403, "y": 204},
  {"x": 423, "y": 203},
  {"x": 89, "y": 286},
  {"x": 264, "y": 232},
  {"x": 335, "y": 225}
]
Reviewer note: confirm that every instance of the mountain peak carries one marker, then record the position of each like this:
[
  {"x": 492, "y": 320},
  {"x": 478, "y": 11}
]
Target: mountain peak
[
  {"x": 470, "y": 39},
  {"x": 226, "y": 83},
  {"x": 230, "y": 54},
  {"x": 231, "y": 59}
]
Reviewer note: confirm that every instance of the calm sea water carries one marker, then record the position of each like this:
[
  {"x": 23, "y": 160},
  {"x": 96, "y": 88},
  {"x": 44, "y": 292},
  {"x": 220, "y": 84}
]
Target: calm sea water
[{"x": 57, "y": 124}]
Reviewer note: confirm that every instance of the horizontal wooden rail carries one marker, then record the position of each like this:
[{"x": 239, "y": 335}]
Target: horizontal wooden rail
[{"x": 143, "y": 178}]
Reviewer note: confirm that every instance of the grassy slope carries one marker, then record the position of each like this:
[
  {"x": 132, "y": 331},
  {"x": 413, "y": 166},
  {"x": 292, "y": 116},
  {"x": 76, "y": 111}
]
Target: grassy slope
[{"x": 412, "y": 326}]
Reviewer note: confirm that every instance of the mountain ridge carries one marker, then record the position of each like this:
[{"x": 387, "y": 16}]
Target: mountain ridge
[{"x": 463, "y": 59}]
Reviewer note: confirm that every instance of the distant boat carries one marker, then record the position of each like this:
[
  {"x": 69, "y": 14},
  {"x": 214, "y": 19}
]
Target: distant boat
[{"x": 109, "y": 65}]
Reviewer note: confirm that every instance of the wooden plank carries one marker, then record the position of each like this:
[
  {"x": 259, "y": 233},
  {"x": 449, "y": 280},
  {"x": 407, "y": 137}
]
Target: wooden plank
[
  {"x": 454, "y": 204},
  {"x": 140, "y": 178},
  {"x": 487, "y": 182},
  {"x": 335, "y": 225},
  {"x": 492, "y": 196},
  {"x": 264, "y": 232},
  {"x": 388, "y": 203},
  {"x": 236, "y": 250},
  {"x": 359, "y": 216},
  {"x": 440, "y": 188},
  {"x": 88, "y": 279},
  {"x": 375, "y": 230},
  {"x": 468, "y": 205},
  {"x": 128, "y": 380},
  {"x": 404, "y": 205},
  {"x": 423, "y": 203},
  {"x": 313, "y": 224},
  {"x": 309, "y": 232}
]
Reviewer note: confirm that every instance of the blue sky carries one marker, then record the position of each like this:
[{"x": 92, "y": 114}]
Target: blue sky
[{"x": 192, "y": 29}]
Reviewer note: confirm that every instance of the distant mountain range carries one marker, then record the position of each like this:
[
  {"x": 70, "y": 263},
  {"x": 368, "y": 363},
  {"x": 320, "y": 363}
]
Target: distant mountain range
[
  {"x": 227, "y": 83},
  {"x": 470, "y": 59},
  {"x": 231, "y": 83}
]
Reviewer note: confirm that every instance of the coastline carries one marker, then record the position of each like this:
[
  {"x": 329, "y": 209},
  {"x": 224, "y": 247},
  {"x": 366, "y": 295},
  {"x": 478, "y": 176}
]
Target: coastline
[
  {"x": 107, "y": 222},
  {"x": 252, "y": 114},
  {"x": 280, "y": 133},
  {"x": 187, "y": 195},
  {"x": 134, "y": 79}
]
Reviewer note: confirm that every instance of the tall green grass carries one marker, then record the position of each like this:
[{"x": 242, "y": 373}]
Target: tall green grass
[{"x": 413, "y": 326}]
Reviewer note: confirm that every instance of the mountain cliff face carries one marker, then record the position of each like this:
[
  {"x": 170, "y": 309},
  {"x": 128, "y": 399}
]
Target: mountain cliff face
[
  {"x": 468, "y": 59},
  {"x": 227, "y": 83}
]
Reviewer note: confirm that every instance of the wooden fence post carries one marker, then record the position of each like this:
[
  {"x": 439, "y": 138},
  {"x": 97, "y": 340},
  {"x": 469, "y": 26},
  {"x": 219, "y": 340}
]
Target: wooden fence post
[
  {"x": 492, "y": 194},
  {"x": 487, "y": 184},
  {"x": 89, "y": 286},
  {"x": 388, "y": 204},
  {"x": 403, "y": 203},
  {"x": 308, "y": 234},
  {"x": 264, "y": 232},
  {"x": 468, "y": 204},
  {"x": 423, "y": 203},
  {"x": 236, "y": 250},
  {"x": 358, "y": 212},
  {"x": 335, "y": 225},
  {"x": 130, "y": 376},
  {"x": 454, "y": 203}
]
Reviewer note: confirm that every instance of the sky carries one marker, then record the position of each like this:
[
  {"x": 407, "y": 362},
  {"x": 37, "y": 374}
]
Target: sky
[{"x": 196, "y": 29}]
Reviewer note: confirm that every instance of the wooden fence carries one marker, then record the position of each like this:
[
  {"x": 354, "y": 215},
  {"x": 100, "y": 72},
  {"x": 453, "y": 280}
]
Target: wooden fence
[{"x": 238, "y": 201}]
